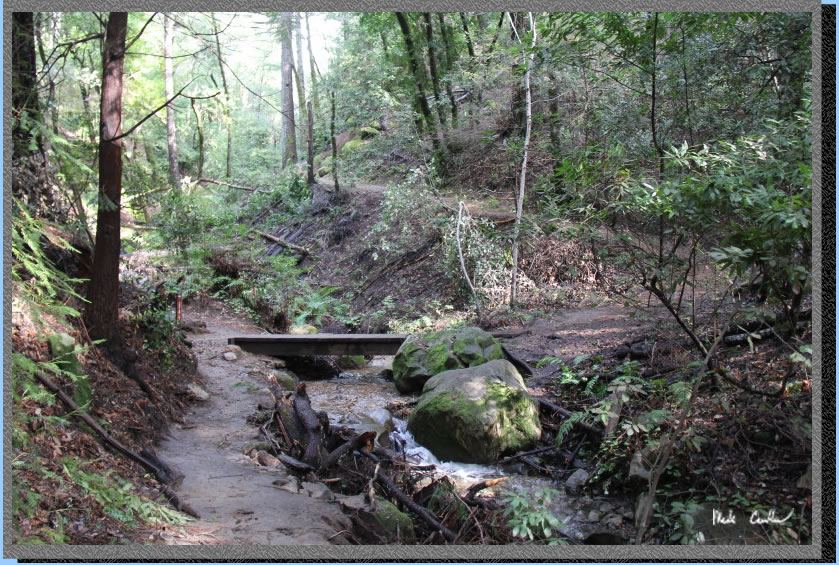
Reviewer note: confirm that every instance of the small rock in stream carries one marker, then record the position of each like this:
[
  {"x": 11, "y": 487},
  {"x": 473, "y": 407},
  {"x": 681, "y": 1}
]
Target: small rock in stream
[
  {"x": 575, "y": 481},
  {"x": 229, "y": 356}
]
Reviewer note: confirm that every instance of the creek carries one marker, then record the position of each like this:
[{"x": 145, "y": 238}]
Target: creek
[{"x": 357, "y": 399}]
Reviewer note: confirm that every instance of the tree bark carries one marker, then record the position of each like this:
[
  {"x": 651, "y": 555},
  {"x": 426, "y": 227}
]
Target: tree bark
[
  {"x": 200, "y": 130},
  {"x": 553, "y": 118},
  {"x": 448, "y": 62},
  {"x": 685, "y": 79},
  {"x": 289, "y": 135},
  {"x": 653, "y": 73},
  {"x": 469, "y": 46},
  {"x": 24, "y": 93},
  {"x": 228, "y": 170},
  {"x": 310, "y": 144},
  {"x": 102, "y": 312},
  {"x": 432, "y": 64},
  {"x": 334, "y": 146},
  {"x": 315, "y": 101},
  {"x": 523, "y": 174},
  {"x": 420, "y": 80},
  {"x": 300, "y": 75},
  {"x": 169, "y": 86},
  {"x": 517, "y": 106}
]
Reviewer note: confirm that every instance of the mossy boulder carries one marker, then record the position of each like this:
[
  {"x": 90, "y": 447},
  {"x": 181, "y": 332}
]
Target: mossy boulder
[
  {"x": 381, "y": 519},
  {"x": 477, "y": 414},
  {"x": 351, "y": 146},
  {"x": 302, "y": 329},
  {"x": 63, "y": 350},
  {"x": 424, "y": 355},
  {"x": 368, "y": 132}
]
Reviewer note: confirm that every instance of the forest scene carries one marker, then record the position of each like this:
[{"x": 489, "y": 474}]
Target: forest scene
[{"x": 411, "y": 278}]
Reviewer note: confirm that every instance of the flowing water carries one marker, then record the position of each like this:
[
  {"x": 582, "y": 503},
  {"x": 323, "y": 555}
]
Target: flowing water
[{"x": 357, "y": 400}]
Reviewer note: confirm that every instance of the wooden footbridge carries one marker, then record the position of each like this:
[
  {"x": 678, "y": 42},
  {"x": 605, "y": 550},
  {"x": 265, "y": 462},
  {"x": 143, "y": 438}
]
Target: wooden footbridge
[
  {"x": 287, "y": 345},
  {"x": 283, "y": 345}
]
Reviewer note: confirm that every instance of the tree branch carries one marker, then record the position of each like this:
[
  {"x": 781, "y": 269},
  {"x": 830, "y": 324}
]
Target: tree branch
[
  {"x": 138, "y": 124},
  {"x": 220, "y": 183},
  {"x": 136, "y": 37}
]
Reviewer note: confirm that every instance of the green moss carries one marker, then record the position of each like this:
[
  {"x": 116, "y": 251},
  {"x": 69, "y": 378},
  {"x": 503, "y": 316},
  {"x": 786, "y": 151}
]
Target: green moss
[
  {"x": 395, "y": 524},
  {"x": 438, "y": 359},
  {"x": 352, "y": 362},
  {"x": 351, "y": 146},
  {"x": 285, "y": 380},
  {"x": 368, "y": 132},
  {"x": 524, "y": 423}
]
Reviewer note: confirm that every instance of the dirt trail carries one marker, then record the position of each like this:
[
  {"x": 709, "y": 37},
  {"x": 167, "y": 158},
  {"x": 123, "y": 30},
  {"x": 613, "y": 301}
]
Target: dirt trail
[
  {"x": 476, "y": 208},
  {"x": 239, "y": 501}
]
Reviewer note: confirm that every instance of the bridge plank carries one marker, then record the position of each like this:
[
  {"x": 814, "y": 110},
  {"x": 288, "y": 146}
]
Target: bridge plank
[{"x": 319, "y": 344}]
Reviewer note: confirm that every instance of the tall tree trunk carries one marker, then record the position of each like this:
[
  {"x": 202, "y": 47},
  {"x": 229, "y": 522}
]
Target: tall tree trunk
[
  {"x": 517, "y": 106},
  {"x": 448, "y": 63},
  {"x": 475, "y": 94},
  {"x": 653, "y": 99},
  {"x": 169, "y": 82},
  {"x": 315, "y": 101},
  {"x": 432, "y": 63},
  {"x": 334, "y": 145},
  {"x": 469, "y": 46},
  {"x": 289, "y": 140},
  {"x": 200, "y": 129},
  {"x": 553, "y": 117},
  {"x": 24, "y": 80},
  {"x": 310, "y": 144},
  {"x": 495, "y": 36},
  {"x": 523, "y": 174},
  {"x": 419, "y": 79},
  {"x": 228, "y": 169},
  {"x": 102, "y": 312},
  {"x": 300, "y": 75},
  {"x": 685, "y": 79},
  {"x": 53, "y": 108}
]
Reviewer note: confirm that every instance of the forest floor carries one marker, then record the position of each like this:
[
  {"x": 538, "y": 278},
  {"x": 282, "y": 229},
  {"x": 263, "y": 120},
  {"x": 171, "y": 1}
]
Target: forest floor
[
  {"x": 240, "y": 501},
  {"x": 243, "y": 502}
]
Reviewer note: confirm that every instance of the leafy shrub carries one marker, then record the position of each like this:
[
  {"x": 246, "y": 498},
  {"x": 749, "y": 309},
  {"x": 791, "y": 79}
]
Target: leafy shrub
[{"x": 530, "y": 518}]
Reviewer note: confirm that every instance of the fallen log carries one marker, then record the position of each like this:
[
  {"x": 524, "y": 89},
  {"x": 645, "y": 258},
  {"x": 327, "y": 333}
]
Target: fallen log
[
  {"x": 396, "y": 493},
  {"x": 478, "y": 487},
  {"x": 220, "y": 183},
  {"x": 295, "y": 464},
  {"x": 523, "y": 368},
  {"x": 311, "y": 425},
  {"x": 282, "y": 242},
  {"x": 160, "y": 474},
  {"x": 527, "y": 453},
  {"x": 363, "y": 441},
  {"x": 567, "y": 413}
]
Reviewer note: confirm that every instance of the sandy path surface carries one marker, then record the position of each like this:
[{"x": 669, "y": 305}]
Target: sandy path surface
[{"x": 239, "y": 501}]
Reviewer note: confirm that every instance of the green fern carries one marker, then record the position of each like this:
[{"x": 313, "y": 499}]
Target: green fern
[
  {"x": 566, "y": 426},
  {"x": 589, "y": 390},
  {"x": 36, "y": 281}
]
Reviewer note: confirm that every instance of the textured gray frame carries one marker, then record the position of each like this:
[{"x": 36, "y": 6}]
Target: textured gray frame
[{"x": 431, "y": 553}]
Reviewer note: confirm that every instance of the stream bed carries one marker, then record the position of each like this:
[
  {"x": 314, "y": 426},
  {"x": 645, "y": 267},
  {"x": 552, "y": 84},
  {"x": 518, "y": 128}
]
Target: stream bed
[{"x": 357, "y": 399}]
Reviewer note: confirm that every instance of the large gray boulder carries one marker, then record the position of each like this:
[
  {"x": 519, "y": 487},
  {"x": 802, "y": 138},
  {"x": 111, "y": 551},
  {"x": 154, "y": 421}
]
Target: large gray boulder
[
  {"x": 422, "y": 356},
  {"x": 476, "y": 414}
]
